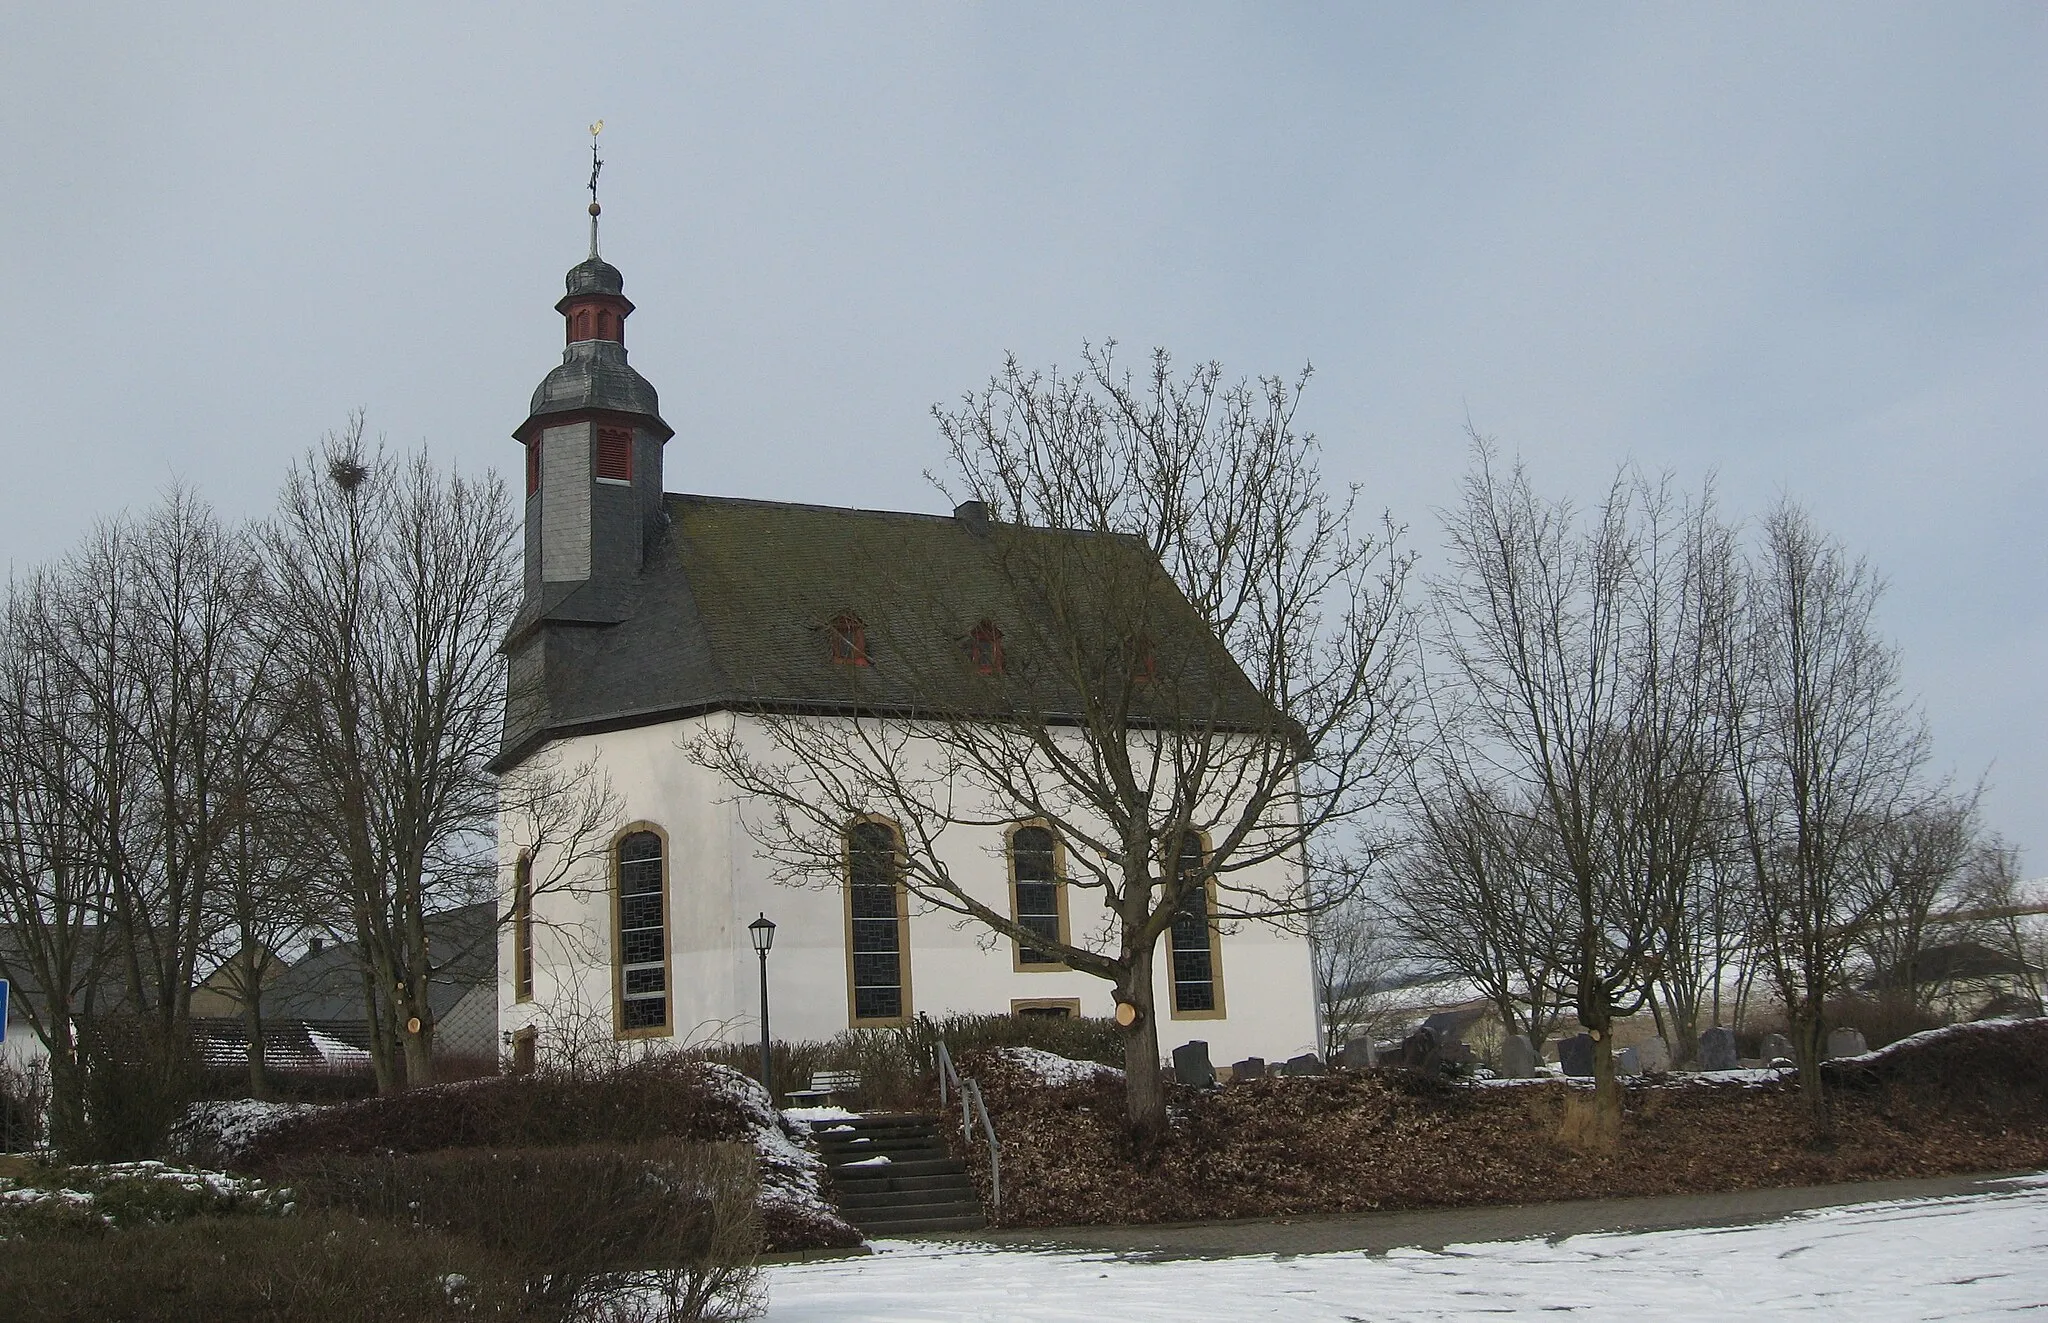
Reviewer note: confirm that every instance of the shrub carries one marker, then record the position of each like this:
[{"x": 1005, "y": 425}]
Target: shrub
[
  {"x": 651, "y": 1100},
  {"x": 58, "y": 1200},
  {"x": 583, "y": 1227},
  {"x": 137, "y": 1081},
  {"x": 319, "y": 1269},
  {"x": 24, "y": 1102},
  {"x": 1995, "y": 1067}
]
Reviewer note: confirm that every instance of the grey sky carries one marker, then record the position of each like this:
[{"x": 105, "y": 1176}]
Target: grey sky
[{"x": 1800, "y": 246}]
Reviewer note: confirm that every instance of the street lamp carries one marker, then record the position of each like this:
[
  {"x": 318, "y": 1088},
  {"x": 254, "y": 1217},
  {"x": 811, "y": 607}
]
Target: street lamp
[{"x": 762, "y": 932}]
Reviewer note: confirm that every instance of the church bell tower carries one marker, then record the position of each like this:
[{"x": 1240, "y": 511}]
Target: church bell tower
[{"x": 593, "y": 439}]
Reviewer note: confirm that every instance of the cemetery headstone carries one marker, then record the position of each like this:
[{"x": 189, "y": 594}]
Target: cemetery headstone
[
  {"x": 1308, "y": 1063},
  {"x": 1846, "y": 1042},
  {"x": 1775, "y": 1048},
  {"x": 1419, "y": 1052},
  {"x": 1191, "y": 1065},
  {"x": 1655, "y": 1056},
  {"x": 1717, "y": 1048},
  {"x": 1517, "y": 1058},
  {"x": 1628, "y": 1061},
  {"x": 1357, "y": 1055},
  {"x": 1251, "y": 1068},
  {"x": 1575, "y": 1054}
]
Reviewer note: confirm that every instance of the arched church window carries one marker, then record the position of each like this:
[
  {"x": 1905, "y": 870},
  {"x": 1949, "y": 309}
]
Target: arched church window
[
  {"x": 533, "y": 466},
  {"x": 642, "y": 948},
  {"x": 1197, "y": 975},
  {"x": 877, "y": 925},
  {"x": 1036, "y": 894}
]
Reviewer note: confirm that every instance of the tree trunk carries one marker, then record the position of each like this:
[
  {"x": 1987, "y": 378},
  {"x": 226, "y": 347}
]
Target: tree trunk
[
  {"x": 1144, "y": 1084},
  {"x": 252, "y": 1024},
  {"x": 419, "y": 1043},
  {"x": 1807, "y": 1039},
  {"x": 384, "y": 1059},
  {"x": 1597, "y": 1015}
]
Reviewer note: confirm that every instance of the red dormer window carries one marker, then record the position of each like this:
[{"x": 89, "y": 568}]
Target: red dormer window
[
  {"x": 984, "y": 648},
  {"x": 615, "y": 453},
  {"x": 849, "y": 639},
  {"x": 1144, "y": 668}
]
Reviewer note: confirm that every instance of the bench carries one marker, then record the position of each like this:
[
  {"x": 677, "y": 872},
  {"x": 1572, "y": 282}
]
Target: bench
[{"x": 827, "y": 1088}]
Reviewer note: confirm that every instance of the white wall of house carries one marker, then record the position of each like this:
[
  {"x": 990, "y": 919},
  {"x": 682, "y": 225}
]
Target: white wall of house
[
  {"x": 717, "y": 885},
  {"x": 23, "y": 1047}
]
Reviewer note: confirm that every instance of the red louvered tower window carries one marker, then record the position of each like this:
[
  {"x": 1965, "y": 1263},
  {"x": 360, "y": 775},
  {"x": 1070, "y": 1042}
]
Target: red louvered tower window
[{"x": 615, "y": 453}]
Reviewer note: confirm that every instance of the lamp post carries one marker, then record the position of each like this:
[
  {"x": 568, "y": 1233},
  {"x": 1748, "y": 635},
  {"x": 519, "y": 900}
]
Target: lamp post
[{"x": 762, "y": 931}]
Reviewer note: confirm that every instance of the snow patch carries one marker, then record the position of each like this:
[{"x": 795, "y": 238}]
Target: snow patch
[
  {"x": 1969, "y": 1256},
  {"x": 792, "y": 1173},
  {"x": 1975, "y": 1028},
  {"x": 223, "y": 1131},
  {"x": 1053, "y": 1069},
  {"x": 800, "y": 1115}
]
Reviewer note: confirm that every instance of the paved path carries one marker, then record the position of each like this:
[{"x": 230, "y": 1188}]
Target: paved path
[{"x": 1436, "y": 1228}]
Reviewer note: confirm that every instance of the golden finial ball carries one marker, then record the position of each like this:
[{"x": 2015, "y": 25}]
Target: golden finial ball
[{"x": 595, "y": 209}]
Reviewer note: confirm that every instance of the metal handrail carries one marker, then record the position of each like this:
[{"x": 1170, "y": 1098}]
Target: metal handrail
[{"x": 971, "y": 1102}]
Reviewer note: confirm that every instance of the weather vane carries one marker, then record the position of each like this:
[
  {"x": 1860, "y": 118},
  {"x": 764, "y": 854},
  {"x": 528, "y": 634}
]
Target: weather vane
[{"x": 596, "y": 164}]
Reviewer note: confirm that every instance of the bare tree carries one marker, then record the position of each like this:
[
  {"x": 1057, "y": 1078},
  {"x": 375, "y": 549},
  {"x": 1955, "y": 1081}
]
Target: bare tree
[
  {"x": 1824, "y": 752},
  {"x": 1575, "y": 648},
  {"x": 53, "y": 894},
  {"x": 1204, "y": 678},
  {"x": 2003, "y": 914},
  {"x": 1470, "y": 895},
  {"x": 394, "y": 585},
  {"x": 1905, "y": 880},
  {"x": 1357, "y": 956}
]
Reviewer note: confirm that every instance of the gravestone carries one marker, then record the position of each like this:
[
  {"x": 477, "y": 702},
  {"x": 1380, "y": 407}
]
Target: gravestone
[
  {"x": 1775, "y": 1048},
  {"x": 1191, "y": 1065},
  {"x": 1846, "y": 1042},
  {"x": 1517, "y": 1058},
  {"x": 1575, "y": 1054},
  {"x": 1308, "y": 1063},
  {"x": 1656, "y": 1056},
  {"x": 1251, "y": 1068},
  {"x": 1628, "y": 1061},
  {"x": 1419, "y": 1052},
  {"x": 1717, "y": 1048},
  {"x": 1357, "y": 1055}
]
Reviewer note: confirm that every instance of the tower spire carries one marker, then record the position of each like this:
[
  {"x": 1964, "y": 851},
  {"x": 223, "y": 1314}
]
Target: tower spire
[{"x": 596, "y": 164}]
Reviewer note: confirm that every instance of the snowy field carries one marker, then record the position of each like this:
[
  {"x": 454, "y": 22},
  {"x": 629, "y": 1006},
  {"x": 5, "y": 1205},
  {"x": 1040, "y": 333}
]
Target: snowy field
[{"x": 1972, "y": 1256}]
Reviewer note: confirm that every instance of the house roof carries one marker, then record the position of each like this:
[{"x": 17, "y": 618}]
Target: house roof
[
  {"x": 734, "y": 607},
  {"x": 326, "y": 986}
]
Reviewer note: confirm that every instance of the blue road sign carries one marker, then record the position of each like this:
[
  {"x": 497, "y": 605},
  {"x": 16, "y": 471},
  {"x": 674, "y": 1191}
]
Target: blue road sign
[{"x": 3, "y": 1010}]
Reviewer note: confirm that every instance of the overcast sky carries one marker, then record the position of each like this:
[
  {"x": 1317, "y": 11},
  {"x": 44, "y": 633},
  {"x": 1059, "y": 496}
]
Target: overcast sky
[{"x": 1798, "y": 246}]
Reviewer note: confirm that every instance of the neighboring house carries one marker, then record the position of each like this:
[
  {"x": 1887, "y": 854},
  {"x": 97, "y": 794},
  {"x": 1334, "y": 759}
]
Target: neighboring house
[
  {"x": 650, "y": 615},
  {"x": 323, "y": 991}
]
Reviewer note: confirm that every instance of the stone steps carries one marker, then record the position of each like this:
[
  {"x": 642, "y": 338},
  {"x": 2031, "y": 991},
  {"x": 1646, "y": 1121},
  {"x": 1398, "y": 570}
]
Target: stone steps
[{"x": 920, "y": 1188}]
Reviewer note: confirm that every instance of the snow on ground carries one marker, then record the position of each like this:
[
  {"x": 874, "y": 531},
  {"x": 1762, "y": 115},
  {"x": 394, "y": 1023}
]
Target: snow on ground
[
  {"x": 1970, "y": 1256},
  {"x": 792, "y": 1173},
  {"x": 799, "y": 1115},
  {"x": 222, "y": 1131},
  {"x": 1049, "y": 1068},
  {"x": 1925, "y": 1036}
]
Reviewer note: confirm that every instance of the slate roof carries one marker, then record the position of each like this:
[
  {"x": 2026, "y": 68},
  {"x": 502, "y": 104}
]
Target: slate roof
[
  {"x": 325, "y": 987},
  {"x": 733, "y": 608},
  {"x": 594, "y": 374}
]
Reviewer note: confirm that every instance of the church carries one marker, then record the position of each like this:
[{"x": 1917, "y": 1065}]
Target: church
[{"x": 650, "y": 617}]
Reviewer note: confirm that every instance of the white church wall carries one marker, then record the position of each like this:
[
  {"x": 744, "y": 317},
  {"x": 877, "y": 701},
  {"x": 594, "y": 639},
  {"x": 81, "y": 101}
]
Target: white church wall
[{"x": 718, "y": 884}]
